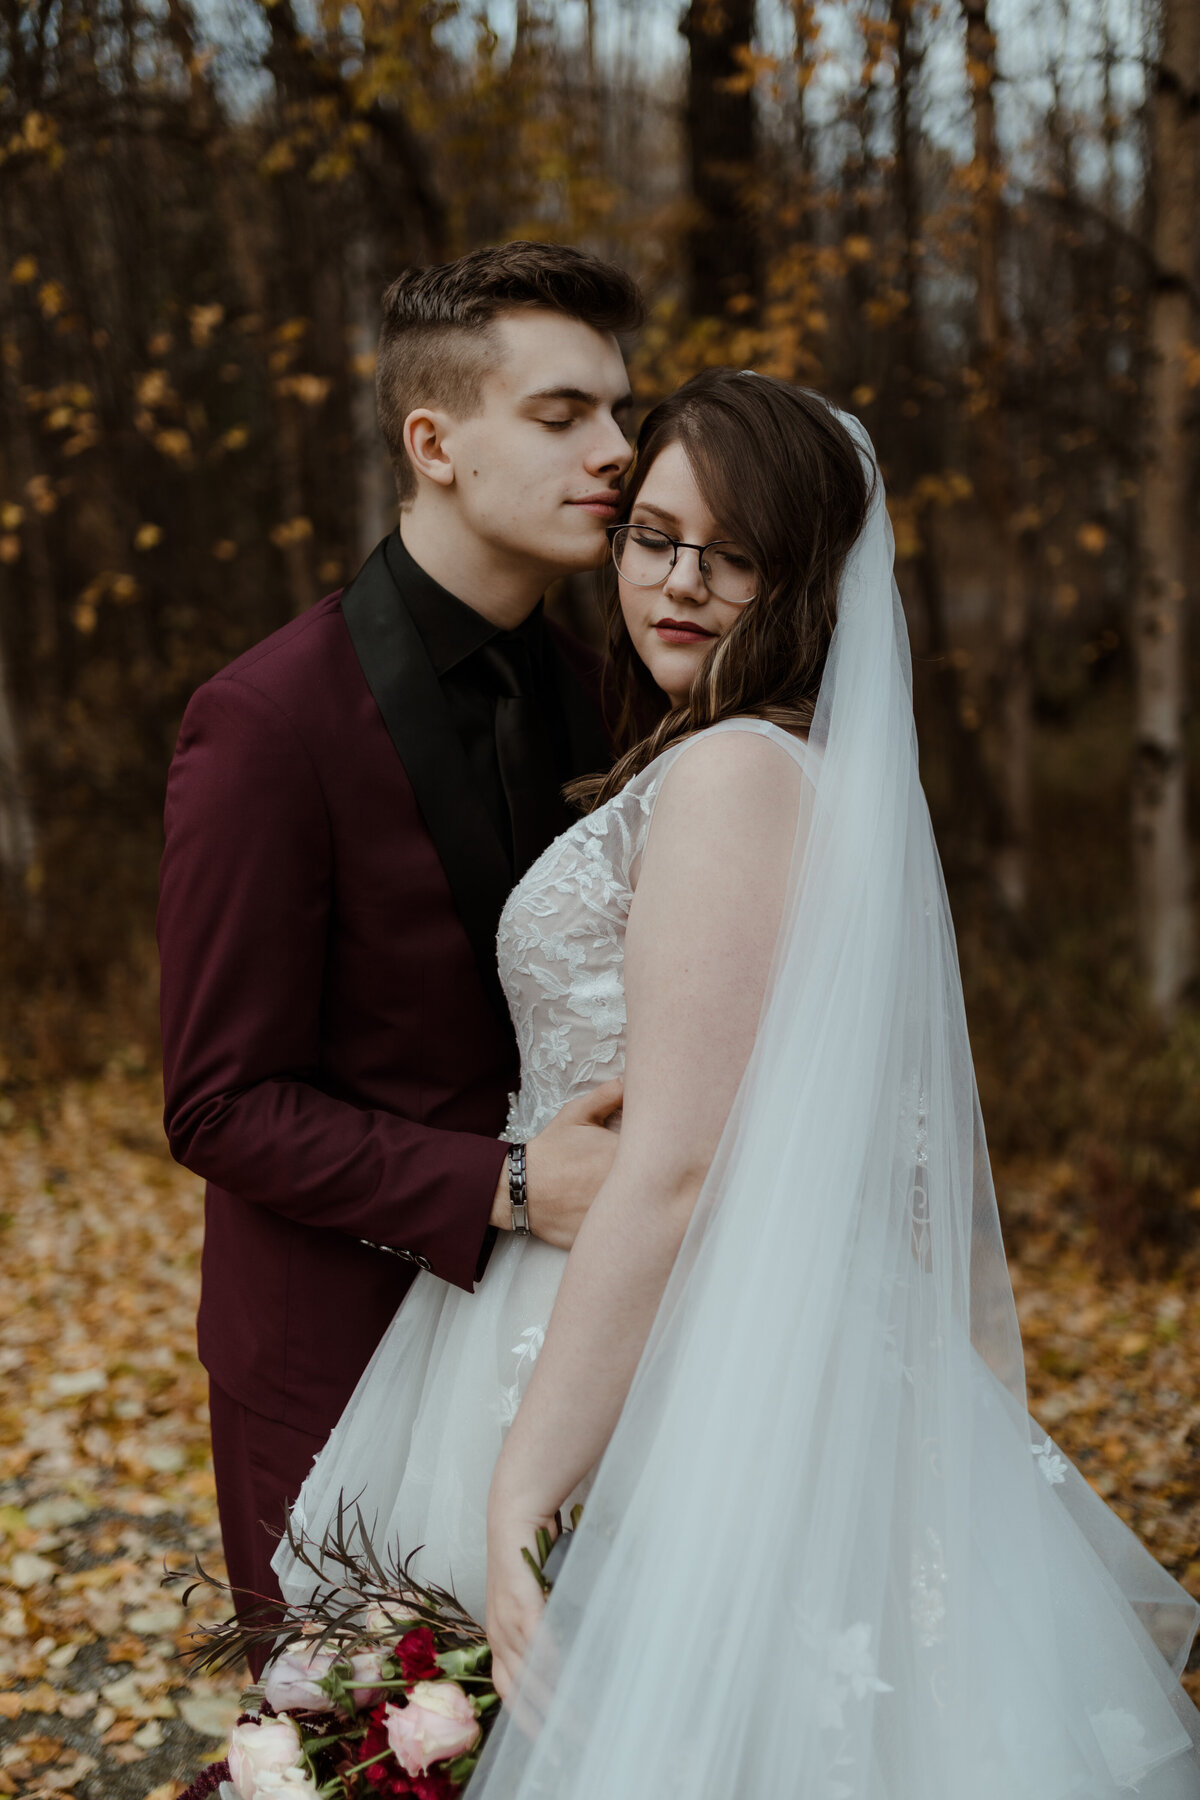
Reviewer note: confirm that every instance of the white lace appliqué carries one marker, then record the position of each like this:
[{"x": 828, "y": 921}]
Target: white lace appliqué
[
  {"x": 561, "y": 947},
  {"x": 1052, "y": 1465},
  {"x": 928, "y": 1591},
  {"x": 1121, "y": 1737},
  {"x": 525, "y": 1351}
]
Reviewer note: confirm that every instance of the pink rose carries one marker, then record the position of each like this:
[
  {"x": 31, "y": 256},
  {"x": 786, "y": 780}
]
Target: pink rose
[
  {"x": 438, "y": 1724},
  {"x": 264, "y": 1758},
  {"x": 382, "y": 1621},
  {"x": 366, "y": 1668},
  {"x": 291, "y": 1680}
]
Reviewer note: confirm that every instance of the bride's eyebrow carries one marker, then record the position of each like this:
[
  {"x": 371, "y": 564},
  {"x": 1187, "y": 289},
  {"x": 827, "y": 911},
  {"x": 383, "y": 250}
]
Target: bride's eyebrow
[{"x": 658, "y": 511}]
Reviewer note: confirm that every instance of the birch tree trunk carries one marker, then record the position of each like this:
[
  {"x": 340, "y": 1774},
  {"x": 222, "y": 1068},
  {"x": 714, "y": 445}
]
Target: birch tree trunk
[
  {"x": 974, "y": 804},
  {"x": 1012, "y": 723},
  {"x": 1166, "y": 935}
]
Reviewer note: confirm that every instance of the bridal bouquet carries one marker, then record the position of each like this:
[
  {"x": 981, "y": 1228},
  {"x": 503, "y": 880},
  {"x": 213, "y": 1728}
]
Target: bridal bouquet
[
  {"x": 379, "y": 1687},
  {"x": 400, "y": 1708}
]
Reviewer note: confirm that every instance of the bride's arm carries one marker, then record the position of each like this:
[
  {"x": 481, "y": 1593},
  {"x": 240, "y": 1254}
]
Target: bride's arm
[{"x": 701, "y": 935}]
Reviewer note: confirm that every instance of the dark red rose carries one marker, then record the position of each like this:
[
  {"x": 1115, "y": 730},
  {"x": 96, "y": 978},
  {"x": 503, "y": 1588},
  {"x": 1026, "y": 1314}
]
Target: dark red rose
[
  {"x": 386, "y": 1777},
  {"x": 416, "y": 1654},
  {"x": 208, "y": 1781},
  {"x": 434, "y": 1786}
]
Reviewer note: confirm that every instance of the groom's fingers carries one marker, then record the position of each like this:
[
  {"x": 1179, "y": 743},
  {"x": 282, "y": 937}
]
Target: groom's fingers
[{"x": 567, "y": 1163}]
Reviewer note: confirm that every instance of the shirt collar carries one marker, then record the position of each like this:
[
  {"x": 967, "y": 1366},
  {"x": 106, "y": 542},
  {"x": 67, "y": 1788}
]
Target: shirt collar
[{"x": 450, "y": 630}]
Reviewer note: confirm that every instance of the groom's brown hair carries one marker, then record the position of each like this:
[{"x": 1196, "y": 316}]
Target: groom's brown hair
[{"x": 436, "y": 343}]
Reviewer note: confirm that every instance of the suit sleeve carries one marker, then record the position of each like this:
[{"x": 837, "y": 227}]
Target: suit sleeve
[{"x": 243, "y": 915}]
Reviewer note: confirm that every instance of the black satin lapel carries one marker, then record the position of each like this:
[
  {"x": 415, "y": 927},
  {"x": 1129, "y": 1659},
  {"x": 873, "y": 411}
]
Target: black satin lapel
[
  {"x": 591, "y": 751},
  {"x": 409, "y": 696}
]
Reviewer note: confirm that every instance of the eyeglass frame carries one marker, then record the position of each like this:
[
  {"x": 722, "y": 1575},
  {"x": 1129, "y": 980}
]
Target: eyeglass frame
[{"x": 677, "y": 544}]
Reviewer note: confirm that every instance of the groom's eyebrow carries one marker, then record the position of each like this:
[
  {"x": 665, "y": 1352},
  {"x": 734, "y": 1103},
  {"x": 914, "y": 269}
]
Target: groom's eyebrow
[{"x": 580, "y": 396}]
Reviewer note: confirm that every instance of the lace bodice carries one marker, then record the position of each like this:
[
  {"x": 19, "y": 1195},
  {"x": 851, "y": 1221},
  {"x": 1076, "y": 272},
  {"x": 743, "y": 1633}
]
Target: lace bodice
[{"x": 561, "y": 946}]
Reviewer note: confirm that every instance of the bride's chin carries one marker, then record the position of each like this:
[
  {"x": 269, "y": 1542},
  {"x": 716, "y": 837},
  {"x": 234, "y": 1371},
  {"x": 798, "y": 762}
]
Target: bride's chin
[{"x": 668, "y": 681}]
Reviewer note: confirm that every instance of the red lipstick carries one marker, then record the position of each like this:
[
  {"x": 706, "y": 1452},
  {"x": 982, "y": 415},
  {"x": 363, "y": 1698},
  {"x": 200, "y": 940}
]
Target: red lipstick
[{"x": 678, "y": 631}]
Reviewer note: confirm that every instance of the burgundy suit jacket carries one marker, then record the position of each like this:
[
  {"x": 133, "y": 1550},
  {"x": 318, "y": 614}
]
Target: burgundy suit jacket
[{"x": 337, "y": 1055}]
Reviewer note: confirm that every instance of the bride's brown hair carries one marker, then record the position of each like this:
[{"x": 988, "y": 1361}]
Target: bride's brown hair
[{"x": 784, "y": 479}]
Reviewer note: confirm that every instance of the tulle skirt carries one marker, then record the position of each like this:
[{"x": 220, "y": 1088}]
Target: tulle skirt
[
  {"x": 1065, "y": 1682},
  {"x": 417, "y": 1443}
]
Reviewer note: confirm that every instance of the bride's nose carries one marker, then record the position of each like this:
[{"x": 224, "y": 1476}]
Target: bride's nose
[{"x": 685, "y": 581}]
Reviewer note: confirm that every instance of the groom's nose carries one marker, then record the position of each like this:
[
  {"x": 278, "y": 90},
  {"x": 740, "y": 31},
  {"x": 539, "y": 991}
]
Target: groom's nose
[{"x": 611, "y": 453}]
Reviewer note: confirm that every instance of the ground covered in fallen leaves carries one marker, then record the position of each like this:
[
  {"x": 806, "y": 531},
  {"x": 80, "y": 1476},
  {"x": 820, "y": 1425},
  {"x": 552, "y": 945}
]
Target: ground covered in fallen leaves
[{"x": 104, "y": 1463}]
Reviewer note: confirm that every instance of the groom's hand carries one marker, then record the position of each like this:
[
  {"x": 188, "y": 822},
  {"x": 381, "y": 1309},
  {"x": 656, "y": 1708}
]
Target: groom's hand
[{"x": 565, "y": 1166}]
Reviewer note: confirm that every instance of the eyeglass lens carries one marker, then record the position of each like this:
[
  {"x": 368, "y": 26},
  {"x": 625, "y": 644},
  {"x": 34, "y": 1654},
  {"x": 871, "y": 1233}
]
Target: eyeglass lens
[{"x": 645, "y": 558}]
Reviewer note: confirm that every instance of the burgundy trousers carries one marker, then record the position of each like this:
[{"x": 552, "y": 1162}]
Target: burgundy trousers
[{"x": 260, "y": 1467}]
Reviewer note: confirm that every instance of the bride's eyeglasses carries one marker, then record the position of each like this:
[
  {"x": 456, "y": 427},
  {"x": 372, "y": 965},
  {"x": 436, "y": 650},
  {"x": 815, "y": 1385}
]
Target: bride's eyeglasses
[{"x": 645, "y": 557}]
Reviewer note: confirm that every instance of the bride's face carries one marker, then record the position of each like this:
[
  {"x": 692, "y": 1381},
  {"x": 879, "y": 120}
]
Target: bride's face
[{"x": 675, "y": 625}]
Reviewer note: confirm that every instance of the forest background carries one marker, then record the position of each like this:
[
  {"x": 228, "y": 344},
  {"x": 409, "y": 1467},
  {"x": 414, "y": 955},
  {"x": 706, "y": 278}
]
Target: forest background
[
  {"x": 975, "y": 226},
  {"x": 974, "y": 222}
]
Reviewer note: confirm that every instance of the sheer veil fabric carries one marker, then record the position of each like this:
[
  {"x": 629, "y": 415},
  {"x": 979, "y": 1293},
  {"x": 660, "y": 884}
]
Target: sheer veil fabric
[{"x": 827, "y": 1553}]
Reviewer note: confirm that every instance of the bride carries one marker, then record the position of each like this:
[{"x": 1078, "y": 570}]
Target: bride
[{"x": 825, "y": 1551}]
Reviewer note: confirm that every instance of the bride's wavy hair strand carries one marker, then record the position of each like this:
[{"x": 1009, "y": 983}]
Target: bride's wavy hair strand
[{"x": 784, "y": 479}]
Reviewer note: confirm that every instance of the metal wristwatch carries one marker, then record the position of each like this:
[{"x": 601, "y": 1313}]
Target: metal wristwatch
[{"x": 518, "y": 1193}]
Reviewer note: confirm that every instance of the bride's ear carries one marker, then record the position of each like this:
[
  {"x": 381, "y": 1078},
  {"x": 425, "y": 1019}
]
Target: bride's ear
[{"x": 424, "y": 438}]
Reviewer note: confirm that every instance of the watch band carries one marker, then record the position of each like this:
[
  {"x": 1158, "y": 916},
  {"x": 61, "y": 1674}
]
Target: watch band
[{"x": 518, "y": 1193}]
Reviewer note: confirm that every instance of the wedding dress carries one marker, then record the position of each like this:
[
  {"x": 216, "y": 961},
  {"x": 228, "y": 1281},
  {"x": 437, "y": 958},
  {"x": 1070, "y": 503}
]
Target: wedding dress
[
  {"x": 827, "y": 1554},
  {"x": 417, "y": 1443}
]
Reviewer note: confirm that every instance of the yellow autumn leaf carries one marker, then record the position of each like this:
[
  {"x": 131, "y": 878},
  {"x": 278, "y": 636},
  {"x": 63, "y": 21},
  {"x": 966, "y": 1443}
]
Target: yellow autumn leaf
[
  {"x": 152, "y": 388},
  {"x": 41, "y": 493},
  {"x": 291, "y": 531},
  {"x": 203, "y": 321},
  {"x": 52, "y": 298},
  {"x": 310, "y": 389},
  {"x": 147, "y": 536},
  {"x": 173, "y": 443},
  {"x": 23, "y": 271}
]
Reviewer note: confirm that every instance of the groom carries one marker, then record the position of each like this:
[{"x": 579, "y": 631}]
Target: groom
[{"x": 348, "y": 806}]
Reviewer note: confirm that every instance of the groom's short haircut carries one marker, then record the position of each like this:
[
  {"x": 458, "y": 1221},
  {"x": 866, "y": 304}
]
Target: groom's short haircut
[{"x": 437, "y": 342}]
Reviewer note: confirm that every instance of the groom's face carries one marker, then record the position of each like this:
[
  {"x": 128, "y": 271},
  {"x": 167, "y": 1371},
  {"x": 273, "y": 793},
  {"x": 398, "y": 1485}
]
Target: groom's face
[{"x": 537, "y": 467}]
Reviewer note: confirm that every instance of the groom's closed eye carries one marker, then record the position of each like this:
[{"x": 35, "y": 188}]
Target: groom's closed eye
[{"x": 580, "y": 402}]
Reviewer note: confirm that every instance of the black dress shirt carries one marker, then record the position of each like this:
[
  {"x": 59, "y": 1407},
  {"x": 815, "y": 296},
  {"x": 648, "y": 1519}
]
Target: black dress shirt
[{"x": 453, "y": 634}]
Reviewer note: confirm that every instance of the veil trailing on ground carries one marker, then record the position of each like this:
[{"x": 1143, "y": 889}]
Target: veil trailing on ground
[{"x": 827, "y": 1553}]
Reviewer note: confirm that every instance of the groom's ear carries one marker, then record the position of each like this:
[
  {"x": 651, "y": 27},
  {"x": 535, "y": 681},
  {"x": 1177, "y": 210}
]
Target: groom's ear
[{"x": 424, "y": 438}]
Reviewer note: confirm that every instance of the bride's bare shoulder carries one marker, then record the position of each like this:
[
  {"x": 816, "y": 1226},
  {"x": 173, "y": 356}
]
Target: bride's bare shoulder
[{"x": 736, "y": 776}]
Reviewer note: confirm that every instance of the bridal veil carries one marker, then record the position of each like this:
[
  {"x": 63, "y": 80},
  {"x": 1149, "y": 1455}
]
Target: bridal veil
[{"x": 827, "y": 1553}]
